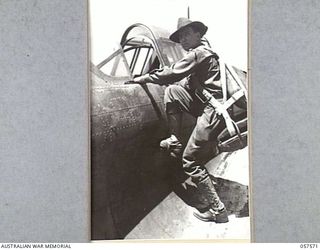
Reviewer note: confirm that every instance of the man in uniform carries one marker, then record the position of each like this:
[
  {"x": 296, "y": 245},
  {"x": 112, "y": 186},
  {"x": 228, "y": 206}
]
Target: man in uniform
[{"x": 198, "y": 71}]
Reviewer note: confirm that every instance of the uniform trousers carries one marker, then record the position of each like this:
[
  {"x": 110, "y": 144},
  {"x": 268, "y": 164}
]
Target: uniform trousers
[{"x": 202, "y": 144}]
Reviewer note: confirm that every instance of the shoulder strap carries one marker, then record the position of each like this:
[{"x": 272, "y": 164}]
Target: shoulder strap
[
  {"x": 237, "y": 79},
  {"x": 223, "y": 80},
  {"x": 228, "y": 102}
]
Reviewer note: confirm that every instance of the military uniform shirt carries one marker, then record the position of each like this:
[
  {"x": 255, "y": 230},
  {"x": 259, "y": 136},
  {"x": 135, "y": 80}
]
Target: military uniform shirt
[{"x": 199, "y": 66}]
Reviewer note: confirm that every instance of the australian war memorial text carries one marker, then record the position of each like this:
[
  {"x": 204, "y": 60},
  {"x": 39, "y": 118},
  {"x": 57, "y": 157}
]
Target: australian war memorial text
[{"x": 34, "y": 245}]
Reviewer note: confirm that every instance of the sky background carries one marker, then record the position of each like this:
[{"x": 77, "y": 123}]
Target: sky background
[{"x": 226, "y": 21}]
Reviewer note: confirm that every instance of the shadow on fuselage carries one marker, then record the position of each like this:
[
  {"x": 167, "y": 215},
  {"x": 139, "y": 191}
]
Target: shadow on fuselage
[
  {"x": 128, "y": 180},
  {"x": 130, "y": 175},
  {"x": 128, "y": 172},
  {"x": 139, "y": 182}
]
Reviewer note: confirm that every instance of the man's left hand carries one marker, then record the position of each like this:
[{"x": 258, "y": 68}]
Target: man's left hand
[
  {"x": 130, "y": 82},
  {"x": 137, "y": 80}
]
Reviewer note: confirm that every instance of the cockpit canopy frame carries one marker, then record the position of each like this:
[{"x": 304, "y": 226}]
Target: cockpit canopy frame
[{"x": 142, "y": 49}]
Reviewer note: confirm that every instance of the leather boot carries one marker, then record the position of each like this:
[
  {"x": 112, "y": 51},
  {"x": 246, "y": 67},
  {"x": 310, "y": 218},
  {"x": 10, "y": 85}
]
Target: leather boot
[
  {"x": 173, "y": 146},
  {"x": 217, "y": 211}
]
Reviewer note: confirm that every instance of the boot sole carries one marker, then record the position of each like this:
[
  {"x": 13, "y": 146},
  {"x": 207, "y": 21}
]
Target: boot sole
[
  {"x": 204, "y": 219},
  {"x": 215, "y": 219}
]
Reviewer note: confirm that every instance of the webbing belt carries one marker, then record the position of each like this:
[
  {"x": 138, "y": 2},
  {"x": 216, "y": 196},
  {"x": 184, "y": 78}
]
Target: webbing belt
[{"x": 223, "y": 81}]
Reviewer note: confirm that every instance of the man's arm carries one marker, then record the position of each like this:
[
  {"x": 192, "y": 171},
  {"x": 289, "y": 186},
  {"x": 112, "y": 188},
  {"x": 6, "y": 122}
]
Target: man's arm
[{"x": 175, "y": 73}]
